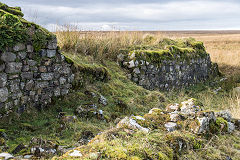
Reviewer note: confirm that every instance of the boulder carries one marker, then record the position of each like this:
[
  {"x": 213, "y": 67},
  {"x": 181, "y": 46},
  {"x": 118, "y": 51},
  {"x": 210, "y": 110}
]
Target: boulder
[
  {"x": 6, "y": 156},
  {"x": 131, "y": 64},
  {"x": 131, "y": 124},
  {"x": 171, "y": 126},
  {"x": 189, "y": 107}
]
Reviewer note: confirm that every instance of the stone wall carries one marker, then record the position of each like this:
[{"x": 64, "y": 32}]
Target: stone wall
[
  {"x": 170, "y": 74},
  {"x": 30, "y": 78}
]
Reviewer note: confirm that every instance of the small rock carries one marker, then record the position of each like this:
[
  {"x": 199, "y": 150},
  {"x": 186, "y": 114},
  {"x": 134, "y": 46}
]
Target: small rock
[
  {"x": 3, "y": 79},
  {"x": 75, "y": 153},
  {"x": 3, "y": 94},
  {"x": 28, "y": 156},
  {"x": 51, "y": 53},
  {"x": 131, "y": 64},
  {"x": 136, "y": 70},
  {"x": 120, "y": 57},
  {"x": 6, "y": 156},
  {"x": 174, "y": 116},
  {"x": 231, "y": 127},
  {"x": 29, "y": 48},
  {"x": 155, "y": 110},
  {"x": 172, "y": 107},
  {"x": 188, "y": 107},
  {"x": 102, "y": 100},
  {"x": 139, "y": 118},
  {"x": 132, "y": 124},
  {"x": 170, "y": 126},
  {"x": 131, "y": 55},
  {"x": 225, "y": 114}
]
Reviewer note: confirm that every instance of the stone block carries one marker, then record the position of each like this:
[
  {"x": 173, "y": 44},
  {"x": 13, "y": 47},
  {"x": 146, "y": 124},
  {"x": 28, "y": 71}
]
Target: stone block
[
  {"x": 3, "y": 79},
  {"x": 22, "y": 55},
  {"x": 19, "y": 47},
  {"x": 27, "y": 75},
  {"x": 29, "y": 48},
  {"x": 8, "y": 57},
  {"x": 3, "y": 94},
  {"x": 51, "y": 53},
  {"x": 47, "y": 76},
  {"x": 13, "y": 67}
]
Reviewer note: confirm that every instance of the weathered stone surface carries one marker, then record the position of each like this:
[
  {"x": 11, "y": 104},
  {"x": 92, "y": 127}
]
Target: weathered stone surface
[
  {"x": 188, "y": 107},
  {"x": 52, "y": 44},
  {"x": 43, "y": 52},
  {"x": 3, "y": 94},
  {"x": 131, "y": 64},
  {"x": 102, "y": 100},
  {"x": 42, "y": 69},
  {"x": 51, "y": 53},
  {"x": 27, "y": 75},
  {"x": 31, "y": 63},
  {"x": 8, "y": 57},
  {"x": 42, "y": 84},
  {"x": 75, "y": 153},
  {"x": 19, "y": 47},
  {"x": 132, "y": 124},
  {"x": 29, "y": 78},
  {"x": 6, "y": 156},
  {"x": 13, "y": 67},
  {"x": 62, "y": 80},
  {"x": 225, "y": 114},
  {"x": 2, "y": 67},
  {"x": 14, "y": 86},
  {"x": 29, "y": 48},
  {"x": 231, "y": 127},
  {"x": 57, "y": 91},
  {"x": 170, "y": 126},
  {"x": 47, "y": 76},
  {"x": 22, "y": 55},
  {"x": 170, "y": 74},
  {"x": 3, "y": 79}
]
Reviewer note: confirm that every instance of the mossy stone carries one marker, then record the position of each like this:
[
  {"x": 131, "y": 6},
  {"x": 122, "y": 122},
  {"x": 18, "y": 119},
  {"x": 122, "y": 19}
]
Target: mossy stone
[{"x": 14, "y": 29}]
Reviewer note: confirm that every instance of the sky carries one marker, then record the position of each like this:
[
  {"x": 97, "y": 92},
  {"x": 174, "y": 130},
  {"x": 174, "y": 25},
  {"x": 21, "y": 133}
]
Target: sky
[{"x": 147, "y": 15}]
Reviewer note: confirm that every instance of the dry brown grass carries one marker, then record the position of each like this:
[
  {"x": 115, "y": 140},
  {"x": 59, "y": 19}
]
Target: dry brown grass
[{"x": 224, "y": 48}]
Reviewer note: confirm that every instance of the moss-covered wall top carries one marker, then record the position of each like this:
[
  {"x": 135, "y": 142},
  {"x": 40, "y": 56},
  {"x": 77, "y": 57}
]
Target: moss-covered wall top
[
  {"x": 32, "y": 69},
  {"x": 168, "y": 49},
  {"x": 169, "y": 64},
  {"x": 14, "y": 29}
]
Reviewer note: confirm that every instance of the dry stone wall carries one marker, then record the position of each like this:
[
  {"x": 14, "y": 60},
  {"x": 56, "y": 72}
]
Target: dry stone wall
[
  {"x": 29, "y": 78},
  {"x": 170, "y": 74}
]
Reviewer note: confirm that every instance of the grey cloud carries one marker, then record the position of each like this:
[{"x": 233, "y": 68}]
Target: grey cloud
[{"x": 133, "y": 14}]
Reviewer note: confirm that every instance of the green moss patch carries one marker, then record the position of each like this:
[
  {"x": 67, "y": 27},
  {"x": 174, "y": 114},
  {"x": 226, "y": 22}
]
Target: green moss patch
[
  {"x": 15, "y": 29},
  {"x": 168, "y": 49}
]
